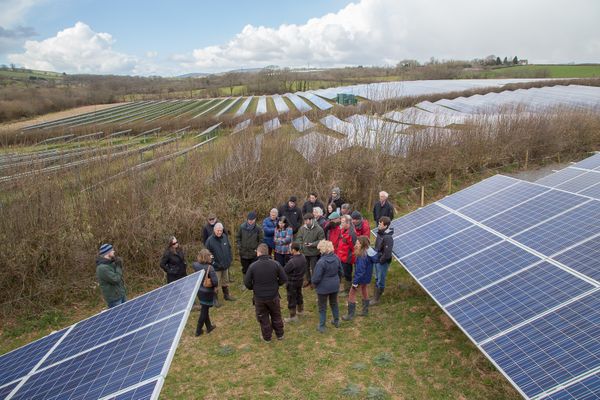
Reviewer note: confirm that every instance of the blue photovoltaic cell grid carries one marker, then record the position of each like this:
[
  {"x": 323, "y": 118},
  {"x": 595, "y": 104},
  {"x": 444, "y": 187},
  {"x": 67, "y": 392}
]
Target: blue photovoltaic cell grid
[
  {"x": 593, "y": 191},
  {"x": 565, "y": 230},
  {"x": 502, "y": 201},
  {"x": 581, "y": 183},
  {"x": 559, "y": 177},
  {"x": 587, "y": 389},
  {"x": 417, "y": 218},
  {"x": 533, "y": 212},
  {"x": 477, "y": 271},
  {"x": 21, "y": 361},
  {"x": 477, "y": 191},
  {"x": 427, "y": 234},
  {"x": 131, "y": 315},
  {"x": 584, "y": 258},
  {"x": 117, "y": 365},
  {"x": 449, "y": 250},
  {"x": 553, "y": 349},
  {"x": 592, "y": 162},
  {"x": 143, "y": 392},
  {"x": 515, "y": 300},
  {"x": 5, "y": 391}
]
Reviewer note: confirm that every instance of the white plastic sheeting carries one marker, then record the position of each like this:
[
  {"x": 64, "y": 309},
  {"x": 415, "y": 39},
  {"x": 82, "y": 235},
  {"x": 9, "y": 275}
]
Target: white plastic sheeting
[
  {"x": 280, "y": 104},
  {"x": 298, "y": 102},
  {"x": 271, "y": 125},
  {"x": 261, "y": 107},
  {"x": 302, "y": 124},
  {"x": 337, "y": 125},
  {"x": 243, "y": 107},
  {"x": 316, "y": 100}
]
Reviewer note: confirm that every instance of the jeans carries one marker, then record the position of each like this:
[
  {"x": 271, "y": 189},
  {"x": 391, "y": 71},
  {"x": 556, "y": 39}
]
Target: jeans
[
  {"x": 381, "y": 271},
  {"x": 333, "y": 303},
  {"x": 115, "y": 303}
]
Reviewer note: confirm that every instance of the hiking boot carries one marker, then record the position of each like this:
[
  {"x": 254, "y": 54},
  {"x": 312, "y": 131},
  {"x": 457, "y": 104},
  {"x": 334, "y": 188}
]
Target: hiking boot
[
  {"x": 212, "y": 328},
  {"x": 226, "y": 294}
]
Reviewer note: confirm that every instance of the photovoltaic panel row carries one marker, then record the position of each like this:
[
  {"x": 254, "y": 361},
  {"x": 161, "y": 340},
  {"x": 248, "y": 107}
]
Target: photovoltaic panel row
[
  {"x": 586, "y": 389},
  {"x": 592, "y": 162},
  {"x": 117, "y": 351},
  {"x": 493, "y": 285}
]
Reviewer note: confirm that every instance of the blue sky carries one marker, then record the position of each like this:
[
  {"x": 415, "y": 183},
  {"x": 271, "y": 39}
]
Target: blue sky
[{"x": 177, "y": 37}]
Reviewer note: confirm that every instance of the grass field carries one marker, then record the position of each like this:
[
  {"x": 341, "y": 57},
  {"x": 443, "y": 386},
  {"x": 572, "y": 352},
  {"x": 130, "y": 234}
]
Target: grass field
[
  {"x": 549, "y": 71},
  {"x": 407, "y": 348},
  {"x": 23, "y": 74}
]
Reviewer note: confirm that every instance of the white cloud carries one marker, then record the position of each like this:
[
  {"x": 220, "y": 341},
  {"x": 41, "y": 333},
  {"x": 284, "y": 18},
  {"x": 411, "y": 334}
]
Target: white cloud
[
  {"x": 75, "y": 50},
  {"x": 378, "y": 32},
  {"x": 13, "y": 11}
]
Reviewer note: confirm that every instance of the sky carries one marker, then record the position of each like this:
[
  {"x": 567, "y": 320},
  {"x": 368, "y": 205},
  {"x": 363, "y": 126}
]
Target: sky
[{"x": 152, "y": 37}]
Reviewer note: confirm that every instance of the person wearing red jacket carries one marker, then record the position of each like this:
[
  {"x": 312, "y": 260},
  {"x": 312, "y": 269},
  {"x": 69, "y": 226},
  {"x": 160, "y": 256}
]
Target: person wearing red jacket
[
  {"x": 333, "y": 229},
  {"x": 361, "y": 225},
  {"x": 345, "y": 250}
]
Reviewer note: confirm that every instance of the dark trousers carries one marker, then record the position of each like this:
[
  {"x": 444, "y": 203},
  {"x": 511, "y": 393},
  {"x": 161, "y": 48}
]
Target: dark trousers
[
  {"x": 173, "y": 277},
  {"x": 246, "y": 263},
  {"x": 268, "y": 315},
  {"x": 294, "y": 295},
  {"x": 333, "y": 303},
  {"x": 282, "y": 258},
  {"x": 347, "y": 271},
  {"x": 311, "y": 261},
  {"x": 204, "y": 319}
]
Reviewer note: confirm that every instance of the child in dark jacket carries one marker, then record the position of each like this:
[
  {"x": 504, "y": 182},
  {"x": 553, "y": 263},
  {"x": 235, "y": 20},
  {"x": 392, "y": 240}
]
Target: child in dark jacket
[
  {"x": 365, "y": 258},
  {"x": 205, "y": 295},
  {"x": 295, "y": 269}
]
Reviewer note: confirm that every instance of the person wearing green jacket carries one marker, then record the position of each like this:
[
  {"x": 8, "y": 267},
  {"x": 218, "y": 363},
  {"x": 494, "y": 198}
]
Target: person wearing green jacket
[
  {"x": 109, "y": 272},
  {"x": 309, "y": 235}
]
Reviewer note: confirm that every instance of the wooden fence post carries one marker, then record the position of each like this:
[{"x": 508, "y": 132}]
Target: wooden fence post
[
  {"x": 450, "y": 183},
  {"x": 422, "y": 195},
  {"x": 526, "y": 158}
]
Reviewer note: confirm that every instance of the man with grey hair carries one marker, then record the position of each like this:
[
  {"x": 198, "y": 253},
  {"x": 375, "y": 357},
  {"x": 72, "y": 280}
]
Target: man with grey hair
[
  {"x": 269, "y": 224},
  {"x": 220, "y": 247},
  {"x": 383, "y": 208}
]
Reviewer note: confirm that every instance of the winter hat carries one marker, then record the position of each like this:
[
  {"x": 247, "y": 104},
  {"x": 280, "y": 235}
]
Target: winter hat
[
  {"x": 356, "y": 215},
  {"x": 105, "y": 249},
  {"x": 251, "y": 215},
  {"x": 334, "y": 215},
  {"x": 293, "y": 199},
  {"x": 337, "y": 192}
]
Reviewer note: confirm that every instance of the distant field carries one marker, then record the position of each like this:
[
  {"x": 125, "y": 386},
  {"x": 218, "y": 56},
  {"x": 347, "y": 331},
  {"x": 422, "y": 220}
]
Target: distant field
[
  {"x": 23, "y": 74},
  {"x": 547, "y": 71}
]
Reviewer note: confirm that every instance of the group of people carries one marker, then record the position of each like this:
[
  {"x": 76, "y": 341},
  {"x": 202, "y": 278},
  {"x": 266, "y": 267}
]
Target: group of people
[{"x": 325, "y": 247}]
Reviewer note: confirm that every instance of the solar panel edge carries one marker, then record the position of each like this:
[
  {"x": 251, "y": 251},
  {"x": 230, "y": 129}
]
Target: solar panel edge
[
  {"x": 565, "y": 385},
  {"x": 464, "y": 331},
  {"x": 132, "y": 387}
]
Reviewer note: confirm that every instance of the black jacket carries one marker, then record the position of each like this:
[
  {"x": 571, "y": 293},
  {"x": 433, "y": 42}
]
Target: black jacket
[
  {"x": 173, "y": 263},
  {"x": 247, "y": 240},
  {"x": 307, "y": 207},
  {"x": 206, "y": 294},
  {"x": 295, "y": 268},
  {"x": 208, "y": 230},
  {"x": 293, "y": 215},
  {"x": 221, "y": 250},
  {"x": 264, "y": 276},
  {"x": 338, "y": 202},
  {"x": 384, "y": 244},
  {"x": 387, "y": 210}
]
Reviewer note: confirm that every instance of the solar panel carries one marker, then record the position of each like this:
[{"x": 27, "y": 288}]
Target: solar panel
[
  {"x": 516, "y": 266},
  {"x": 592, "y": 162},
  {"x": 586, "y": 389},
  {"x": 581, "y": 182},
  {"x": 560, "y": 177},
  {"x": 592, "y": 191},
  {"x": 123, "y": 352}
]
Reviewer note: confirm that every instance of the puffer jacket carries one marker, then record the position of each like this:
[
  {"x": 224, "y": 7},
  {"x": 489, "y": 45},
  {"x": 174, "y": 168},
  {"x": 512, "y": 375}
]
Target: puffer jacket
[
  {"x": 327, "y": 274},
  {"x": 384, "y": 244},
  {"x": 110, "y": 277},
  {"x": 268, "y": 227}
]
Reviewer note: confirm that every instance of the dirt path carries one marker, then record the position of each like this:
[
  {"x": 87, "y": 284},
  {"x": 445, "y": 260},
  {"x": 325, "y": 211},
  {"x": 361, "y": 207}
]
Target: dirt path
[{"x": 12, "y": 126}]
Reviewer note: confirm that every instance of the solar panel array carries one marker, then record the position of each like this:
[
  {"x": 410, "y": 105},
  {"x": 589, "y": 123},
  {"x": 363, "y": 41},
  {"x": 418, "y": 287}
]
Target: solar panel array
[
  {"x": 516, "y": 265},
  {"x": 121, "y": 353}
]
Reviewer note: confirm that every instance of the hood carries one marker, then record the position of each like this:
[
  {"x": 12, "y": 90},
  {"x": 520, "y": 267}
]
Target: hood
[
  {"x": 388, "y": 231},
  {"x": 330, "y": 258},
  {"x": 102, "y": 260},
  {"x": 335, "y": 193}
]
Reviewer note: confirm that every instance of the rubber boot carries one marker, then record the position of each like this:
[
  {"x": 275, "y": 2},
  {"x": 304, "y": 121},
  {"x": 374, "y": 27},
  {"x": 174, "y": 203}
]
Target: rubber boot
[
  {"x": 226, "y": 294},
  {"x": 300, "y": 310},
  {"x": 365, "y": 308},
  {"x": 335, "y": 310},
  {"x": 321, "y": 327},
  {"x": 376, "y": 296},
  {"x": 216, "y": 301},
  {"x": 351, "y": 311},
  {"x": 293, "y": 317}
]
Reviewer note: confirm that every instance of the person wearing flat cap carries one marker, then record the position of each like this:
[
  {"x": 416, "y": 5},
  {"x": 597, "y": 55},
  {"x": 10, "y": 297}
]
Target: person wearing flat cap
[
  {"x": 249, "y": 236},
  {"x": 109, "y": 272}
]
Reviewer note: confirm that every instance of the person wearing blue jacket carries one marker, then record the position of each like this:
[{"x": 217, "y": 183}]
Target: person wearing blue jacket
[
  {"x": 326, "y": 281},
  {"x": 365, "y": 258},
  {"x": 269, "y": 224}
]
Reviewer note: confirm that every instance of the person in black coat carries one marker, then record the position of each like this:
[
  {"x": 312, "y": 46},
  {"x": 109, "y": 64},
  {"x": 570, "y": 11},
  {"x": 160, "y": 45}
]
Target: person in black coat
[
  {"x": 383, "y": 208},
  {"x": 336, "y": 198},
  {"x": 384, "y": 244},
  {"x": 173, "y": 261},
  {"x": 220, "y": 247},
  {"x": 206, "y": 295},
  {"x": 312, "y": 202},
  {"x": 264, "y": 276},
  {"x": 295, "y": 269},
  {"x": 292, "y": 213}
]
